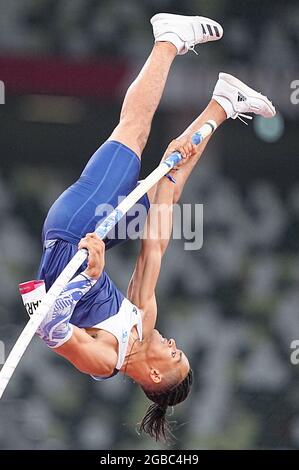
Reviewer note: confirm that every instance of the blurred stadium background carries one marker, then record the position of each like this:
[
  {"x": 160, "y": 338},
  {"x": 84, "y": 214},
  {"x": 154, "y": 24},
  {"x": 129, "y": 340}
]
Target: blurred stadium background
[{"x": 233, "y": 305}]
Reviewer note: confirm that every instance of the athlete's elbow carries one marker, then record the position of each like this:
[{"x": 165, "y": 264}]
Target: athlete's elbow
[
  {"x": 101, "y": 370},
  {"x": 157, "y": 247},
  {"x": 151, "y": 250}
]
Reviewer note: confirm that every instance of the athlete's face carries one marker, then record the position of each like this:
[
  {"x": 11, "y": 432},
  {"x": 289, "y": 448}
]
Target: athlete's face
[{"x": 164, "y": 356}]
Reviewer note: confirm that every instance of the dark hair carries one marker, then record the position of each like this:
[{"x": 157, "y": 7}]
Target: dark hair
[{"x": 154, "y": 422}]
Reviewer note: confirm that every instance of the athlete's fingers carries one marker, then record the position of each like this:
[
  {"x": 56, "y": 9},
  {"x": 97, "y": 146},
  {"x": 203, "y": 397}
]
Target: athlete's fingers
[
  {"x": 193, "y": 149},
  {"x": 190, "y": 149},
  {"x": 184, "y": 146},
  {"x": 92, "y": 235},
  {"x": 96, "y": 254},
  {"x": 96, "y": 248},
  {"x": 183, "y": 151},
  {"x": 92, "y": 238},
  {"x": 83, "y": 243}
]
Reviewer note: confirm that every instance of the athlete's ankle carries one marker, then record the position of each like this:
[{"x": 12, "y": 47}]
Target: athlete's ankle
[
  {"x": 167, "y": 47},
  {"x": 219, "y": 112}
]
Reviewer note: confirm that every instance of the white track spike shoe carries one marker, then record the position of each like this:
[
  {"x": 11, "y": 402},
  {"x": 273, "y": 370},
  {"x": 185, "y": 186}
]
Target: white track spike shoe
[
  {"x": 184, "y": 32},
  {"x": 237, "y": 99}
]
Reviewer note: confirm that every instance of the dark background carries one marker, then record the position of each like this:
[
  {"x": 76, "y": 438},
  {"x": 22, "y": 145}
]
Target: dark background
[{"x": 233, "y": 305}]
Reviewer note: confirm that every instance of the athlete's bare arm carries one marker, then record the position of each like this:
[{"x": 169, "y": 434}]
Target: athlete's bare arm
[
  {"x": 81, "y": 349},
  {"x": 158, "y": 228}
]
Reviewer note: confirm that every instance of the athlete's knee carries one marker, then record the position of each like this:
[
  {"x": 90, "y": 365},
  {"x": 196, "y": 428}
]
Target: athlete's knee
[
  {"x": 135, "y": 128},
  {"x": 143, "y": 138}
]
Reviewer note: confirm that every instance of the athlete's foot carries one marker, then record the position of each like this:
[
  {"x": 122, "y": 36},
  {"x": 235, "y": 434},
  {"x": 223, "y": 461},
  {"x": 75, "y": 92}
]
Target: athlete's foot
[
  {"x": 237, "y": 99},
  {"x": 184, "y": 32}
]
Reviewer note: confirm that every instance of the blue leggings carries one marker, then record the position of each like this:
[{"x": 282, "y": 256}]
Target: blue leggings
[{"x": 112, "y": 172}]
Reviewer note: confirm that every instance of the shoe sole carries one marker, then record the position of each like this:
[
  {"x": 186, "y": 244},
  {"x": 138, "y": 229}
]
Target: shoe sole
[
  {"x": 247, "y": 90},
  {"x": 185, "y": 19}
]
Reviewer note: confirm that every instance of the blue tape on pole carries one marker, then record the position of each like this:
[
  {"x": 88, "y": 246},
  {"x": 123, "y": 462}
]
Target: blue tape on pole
[
  {"x": 173, "y": 159},
  {"x": 106, "y": 225},
  {"x": 197, "y": 138}
]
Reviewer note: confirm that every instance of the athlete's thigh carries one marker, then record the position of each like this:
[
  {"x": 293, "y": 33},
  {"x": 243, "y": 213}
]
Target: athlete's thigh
[{"x": 111, "y": 173}]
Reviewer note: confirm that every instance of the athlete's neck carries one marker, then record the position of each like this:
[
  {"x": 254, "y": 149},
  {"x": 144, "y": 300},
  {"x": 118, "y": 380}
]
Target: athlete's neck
[{"x": 135, "y": 361}]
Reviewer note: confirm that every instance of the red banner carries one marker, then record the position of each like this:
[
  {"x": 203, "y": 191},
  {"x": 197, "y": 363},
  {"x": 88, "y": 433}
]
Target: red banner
[{"x": 101, "y": 78}]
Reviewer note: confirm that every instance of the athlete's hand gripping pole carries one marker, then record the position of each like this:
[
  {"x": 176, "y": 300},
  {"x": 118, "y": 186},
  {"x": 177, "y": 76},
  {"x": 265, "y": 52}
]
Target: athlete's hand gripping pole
[{"x": 72, "y": 267}]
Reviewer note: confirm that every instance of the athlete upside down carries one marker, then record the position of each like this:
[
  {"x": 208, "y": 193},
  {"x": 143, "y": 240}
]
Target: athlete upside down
[{"x": 92, "y": 324}]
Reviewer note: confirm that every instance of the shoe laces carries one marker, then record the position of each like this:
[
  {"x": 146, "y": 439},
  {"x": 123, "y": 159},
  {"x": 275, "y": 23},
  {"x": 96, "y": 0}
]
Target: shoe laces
[
  {"x": 192, "y": 48},
  {"x": 241, "y": 116}
]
